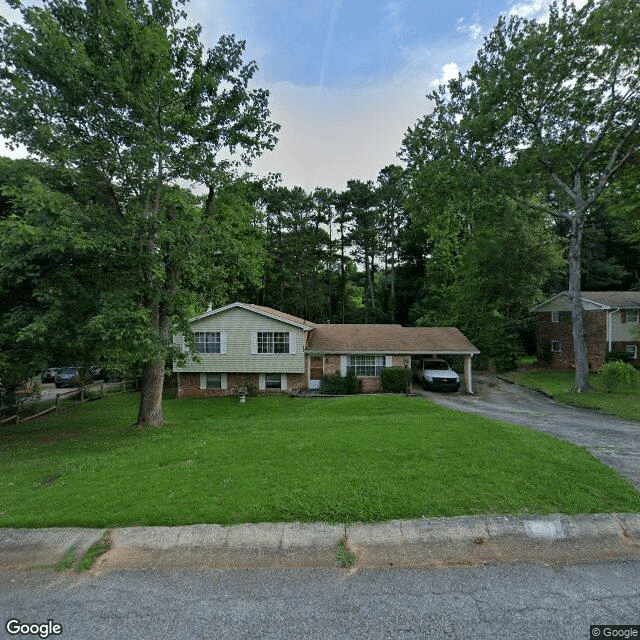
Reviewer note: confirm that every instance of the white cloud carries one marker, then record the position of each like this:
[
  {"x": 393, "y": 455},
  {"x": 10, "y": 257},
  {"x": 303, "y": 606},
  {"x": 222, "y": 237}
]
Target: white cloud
[
  {"x": 537, "y": 9},
  {"x": 332, "y": 135},
  {"x": 328, "y": 43},
  {"x": 474, "y": 30},
  {"x": 449, "y": 72},
  {"x": 393, "y": 18}
]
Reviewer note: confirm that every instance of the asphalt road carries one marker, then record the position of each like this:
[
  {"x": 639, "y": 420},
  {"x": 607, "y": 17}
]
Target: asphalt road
[
  {"x": 516, "y": 601},
  {"x": 615, "y": 441}
]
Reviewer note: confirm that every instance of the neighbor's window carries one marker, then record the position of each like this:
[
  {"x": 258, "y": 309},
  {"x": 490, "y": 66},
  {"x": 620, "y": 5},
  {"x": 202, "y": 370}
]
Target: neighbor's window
[
  {"x": 214, "y": 381},
  {"x": 555, "y": 345},
  {"x": 365, "y": 366},
  {"x": 273, "y": 342},
  {"x": 207, "y": 341},
  {"x": 632, "y": 350},
  {"x": 555, "y": 316},
  {"x": 273, "y": 381},
  {"x": 632, "y": 316}
]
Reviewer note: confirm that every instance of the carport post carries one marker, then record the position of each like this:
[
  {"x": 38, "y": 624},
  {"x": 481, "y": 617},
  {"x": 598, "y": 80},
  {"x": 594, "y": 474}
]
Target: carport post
[{"x": 467, "y": 372}]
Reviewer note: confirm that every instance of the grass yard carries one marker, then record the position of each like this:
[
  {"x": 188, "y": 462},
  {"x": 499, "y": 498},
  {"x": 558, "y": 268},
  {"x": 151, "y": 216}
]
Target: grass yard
[
  {"x": 625, "y": 404},
  {"x": 281, "y": 459}
]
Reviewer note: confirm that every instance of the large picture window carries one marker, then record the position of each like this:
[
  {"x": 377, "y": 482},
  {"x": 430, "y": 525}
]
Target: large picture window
[
  {"x": 207, "y": 341},
  {"x": 273, "y": 342},
  {"x": 365, "y": 366}
]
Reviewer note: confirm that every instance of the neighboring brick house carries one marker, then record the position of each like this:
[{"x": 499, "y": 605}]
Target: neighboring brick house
[
  {"x": 279, "y": 352},
  {"x": 609, "y": 320}
]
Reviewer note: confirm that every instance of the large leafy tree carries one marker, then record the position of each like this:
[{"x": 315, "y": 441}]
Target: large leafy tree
[
  {"x": 558, "y": 102},
  {"x": 125, "y": 93},
  {"x": 48, "y": 270}
]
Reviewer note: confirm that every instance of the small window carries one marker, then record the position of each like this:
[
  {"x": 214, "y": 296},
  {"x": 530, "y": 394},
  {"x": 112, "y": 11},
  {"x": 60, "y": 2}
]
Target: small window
[
  {"x": 273, "y": 381},
  {"x": 632, "y": 316},
  {"x": 214, "y": 381},
  {"x": 632, "y": 350},
  {"x": 555, "y": 316},
  {"x": 207, "y": 341},
  {"x": 555, "y": 346}
]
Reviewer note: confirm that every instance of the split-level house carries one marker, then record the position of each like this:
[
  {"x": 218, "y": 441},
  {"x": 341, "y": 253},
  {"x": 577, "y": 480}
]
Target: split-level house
[
  {"x": 610, "y": 318},
  {"x": 275, "y": 351}
]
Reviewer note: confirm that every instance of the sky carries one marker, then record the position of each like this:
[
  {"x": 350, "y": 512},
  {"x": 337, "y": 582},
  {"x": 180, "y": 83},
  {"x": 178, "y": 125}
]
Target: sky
[{"x": 347, "y": 78}]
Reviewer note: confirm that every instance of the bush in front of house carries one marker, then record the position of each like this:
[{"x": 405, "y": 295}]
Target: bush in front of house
[
  {"x": 618, "y": 355},
  {"x": 395, "y": 379},
  {"x": 617, "y": 375},
  {"x": 341, "y": 385}
]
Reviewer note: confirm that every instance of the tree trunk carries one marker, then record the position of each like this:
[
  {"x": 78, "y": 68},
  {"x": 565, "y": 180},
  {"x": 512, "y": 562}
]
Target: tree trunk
[
  {"x": 581, "y": 379},
  {"x": 152, "y": 384},
  {"x": 150, "y": 411}
]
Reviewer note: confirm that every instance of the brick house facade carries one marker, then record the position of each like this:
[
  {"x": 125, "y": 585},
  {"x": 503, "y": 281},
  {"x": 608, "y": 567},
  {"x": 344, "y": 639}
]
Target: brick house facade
[
  {"x": 278, "y": 352},
  {"x": 610, "y": 318}
]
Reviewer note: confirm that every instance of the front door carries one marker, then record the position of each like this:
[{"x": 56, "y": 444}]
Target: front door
[{"x": 315, "y": 372}]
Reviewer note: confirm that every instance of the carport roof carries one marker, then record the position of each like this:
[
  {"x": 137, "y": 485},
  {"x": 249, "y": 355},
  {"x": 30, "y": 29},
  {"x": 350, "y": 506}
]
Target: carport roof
[{"x": 387, "y": 339}]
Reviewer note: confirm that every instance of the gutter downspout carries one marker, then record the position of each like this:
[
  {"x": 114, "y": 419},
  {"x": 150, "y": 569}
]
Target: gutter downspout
[
  {"x": 467, "y": 373},
  {"x": 609, "y": 340}
]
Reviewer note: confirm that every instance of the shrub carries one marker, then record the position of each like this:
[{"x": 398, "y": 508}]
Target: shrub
[
  {"x": 249, "y": 388},
  {"x": 341, "y": 385},
  {"x": 618, "y": 355},
  {"x": 395, "y": 379},
  {"x": 545, "y": 356},
  {"x": 617, "y": 375}
]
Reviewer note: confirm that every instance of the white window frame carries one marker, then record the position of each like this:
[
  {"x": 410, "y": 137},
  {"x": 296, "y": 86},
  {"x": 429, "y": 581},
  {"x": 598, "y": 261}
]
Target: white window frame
[
  {"x": 555, "y": 316},
  {"x": 273, "y": 342},
  {"x": 211, "y": 342},
  {"x": 204, "y": 380},
  {"x": 207, "y": 341},
  {"x": 366, "y": 366},
  {"x": 556, "y": 342},
  {"x": 213, "y": 380},
  {"x": 632, "y": 316},
  {"x": 632, "y": 350},
  {"x": 270, "y": 381}
]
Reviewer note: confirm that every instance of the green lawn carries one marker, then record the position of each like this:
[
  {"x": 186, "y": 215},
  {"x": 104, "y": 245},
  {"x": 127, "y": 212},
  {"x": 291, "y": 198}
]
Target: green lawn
[
  {"x": 625, "y": 404},
  {"x": 281, "y": 459}
]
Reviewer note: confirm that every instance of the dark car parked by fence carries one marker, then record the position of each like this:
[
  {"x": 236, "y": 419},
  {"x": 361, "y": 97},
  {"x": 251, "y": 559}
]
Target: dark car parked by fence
[
  {"x": 72, "y": 377},
  {"x": 49, "y": 375}
]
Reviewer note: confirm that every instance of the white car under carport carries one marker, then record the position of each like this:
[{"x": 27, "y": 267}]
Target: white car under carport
[{"x": 436, "y": 374}]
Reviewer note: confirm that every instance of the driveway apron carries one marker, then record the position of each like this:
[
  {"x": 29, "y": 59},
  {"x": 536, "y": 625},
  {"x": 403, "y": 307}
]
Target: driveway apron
[{"x": 615, "y": 441}]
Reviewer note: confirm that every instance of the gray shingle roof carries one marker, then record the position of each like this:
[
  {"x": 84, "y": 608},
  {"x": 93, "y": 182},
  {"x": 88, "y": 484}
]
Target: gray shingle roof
[
  {"x": 615, "y": 299},
  {"x": 610, "y": 299}
]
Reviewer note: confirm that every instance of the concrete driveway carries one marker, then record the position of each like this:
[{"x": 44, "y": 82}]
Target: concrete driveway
[{"x": 615, "y": 441}]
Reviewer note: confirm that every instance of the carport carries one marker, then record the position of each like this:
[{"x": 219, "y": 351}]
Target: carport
[
  {"x": 391, "y": 343},
  {"x": 440, "y": 342}
]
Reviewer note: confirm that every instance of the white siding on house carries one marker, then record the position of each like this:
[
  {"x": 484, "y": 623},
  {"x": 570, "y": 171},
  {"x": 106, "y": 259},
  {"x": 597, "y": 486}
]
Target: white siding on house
[
  {"x": 621, "y": 331},
  {"x": 238, "y": 324}
]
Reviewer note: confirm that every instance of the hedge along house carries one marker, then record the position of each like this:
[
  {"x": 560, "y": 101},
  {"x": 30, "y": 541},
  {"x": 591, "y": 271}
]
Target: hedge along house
[
  {"x": 275, "y": 351},
  {"x": 610, "y": 318}
]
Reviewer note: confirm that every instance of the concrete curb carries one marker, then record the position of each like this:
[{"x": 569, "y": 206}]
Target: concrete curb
[{"x": 431, "y": 542}]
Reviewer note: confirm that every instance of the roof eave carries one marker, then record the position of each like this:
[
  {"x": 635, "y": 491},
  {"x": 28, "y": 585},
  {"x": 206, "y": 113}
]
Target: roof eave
[
  {"x": 470, "y": 352},
  {"x": 248, "y": 307}
]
